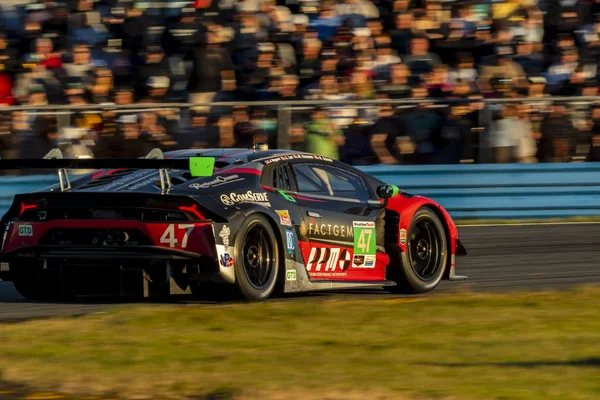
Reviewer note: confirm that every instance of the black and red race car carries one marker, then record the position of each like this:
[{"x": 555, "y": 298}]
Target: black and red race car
[{"x": 202, "y": 221}]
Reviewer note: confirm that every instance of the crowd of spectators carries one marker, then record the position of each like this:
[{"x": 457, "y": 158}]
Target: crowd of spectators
[{"x": 124, "y": 52}]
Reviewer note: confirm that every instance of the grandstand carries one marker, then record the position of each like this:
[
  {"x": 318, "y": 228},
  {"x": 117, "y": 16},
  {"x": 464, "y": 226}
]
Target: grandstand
[{"x": 438, "y": 82}]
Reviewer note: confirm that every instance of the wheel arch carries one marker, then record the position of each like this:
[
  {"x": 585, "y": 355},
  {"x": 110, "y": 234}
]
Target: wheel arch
[
  {"x": 437, "y": 211},
  {"x": 407, "y": 207}
]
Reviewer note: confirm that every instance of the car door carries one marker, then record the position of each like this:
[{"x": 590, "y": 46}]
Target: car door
[
  {"x": 278, "y": 178},
  {"x": 338, "y": 234}
]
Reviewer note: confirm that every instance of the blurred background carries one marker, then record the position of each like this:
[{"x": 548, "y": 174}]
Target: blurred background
[{"x": 363, "y": 81}]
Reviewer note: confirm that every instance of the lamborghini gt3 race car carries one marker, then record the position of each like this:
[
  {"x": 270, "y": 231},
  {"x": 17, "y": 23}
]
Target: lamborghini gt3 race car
[{"x": 200, "y": 221}]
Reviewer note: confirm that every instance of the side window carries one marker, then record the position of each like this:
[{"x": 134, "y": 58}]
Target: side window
[
  {"x": 285, "y": 181},
  {"x": 308, "y": 180},
  {"x": 278, "y": 178},
  {"x": 332, "y": 181}
]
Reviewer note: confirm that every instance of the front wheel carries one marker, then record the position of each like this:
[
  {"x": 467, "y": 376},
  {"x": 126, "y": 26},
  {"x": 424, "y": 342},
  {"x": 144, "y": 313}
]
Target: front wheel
[
  {"x": 421, "y": 266},
  {"x": 257, "y": 258}
]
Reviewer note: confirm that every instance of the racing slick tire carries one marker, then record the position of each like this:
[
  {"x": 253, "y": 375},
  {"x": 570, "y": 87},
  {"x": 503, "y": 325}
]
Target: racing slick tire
[
  {"x": 257, "y": 258},
  {"x": 421, "y": 266},
  {"x": 26, "y": 278}
]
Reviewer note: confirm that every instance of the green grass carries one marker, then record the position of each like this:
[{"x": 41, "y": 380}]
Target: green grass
[{"x": 463, "y": 346}]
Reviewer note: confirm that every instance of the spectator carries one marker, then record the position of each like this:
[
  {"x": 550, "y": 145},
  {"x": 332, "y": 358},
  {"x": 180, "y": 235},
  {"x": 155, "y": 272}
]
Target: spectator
[
  {"x": 328, "y": 21},
  {"x": 81, "y": 65},
  {"x": 423, "y": 126},
  {"x": 594, "y": 153},
  {"x": 8, "y": 59},
  {"x": 384, "y": 135},
  {"x": 420, "y": 60},
  {"x": 526, "y": 142},
  {"x": 322, "y": 137},
  {"x": 101, "y": 86},
  {"x": 557, "y": 132},
  {"x": 454, "y": 136},
  {"x": 401, "y": 36},
  {"x": 203, "y": 134},
  {"x": 212, "y": 70},
  {"x": 397, "y": 86}
]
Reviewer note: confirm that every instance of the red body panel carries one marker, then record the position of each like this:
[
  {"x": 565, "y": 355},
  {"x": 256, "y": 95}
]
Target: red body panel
[
  {"x": 190, "y": 237},
  {"x": 407, "y": 207},
  {"x": 335, "y": 263}
]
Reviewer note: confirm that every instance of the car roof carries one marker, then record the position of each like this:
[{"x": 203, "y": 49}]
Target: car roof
[
  {"x": 246, "y": 155},
  {"x": 241, "y": 156}
]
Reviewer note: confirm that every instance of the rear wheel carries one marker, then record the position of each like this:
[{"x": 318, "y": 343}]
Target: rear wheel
[
  {"x": 421, "y": 266},
  {"x": 257, "y": 258}
]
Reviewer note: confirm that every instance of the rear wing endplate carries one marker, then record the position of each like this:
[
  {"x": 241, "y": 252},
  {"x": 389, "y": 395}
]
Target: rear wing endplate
[{"x": 198, "y": 166}]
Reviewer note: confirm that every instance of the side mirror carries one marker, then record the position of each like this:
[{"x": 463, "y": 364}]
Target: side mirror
[{"x": 387, "y": 191}]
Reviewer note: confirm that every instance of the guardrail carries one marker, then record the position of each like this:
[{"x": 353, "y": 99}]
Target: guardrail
[{"x": 484, "y": 191}]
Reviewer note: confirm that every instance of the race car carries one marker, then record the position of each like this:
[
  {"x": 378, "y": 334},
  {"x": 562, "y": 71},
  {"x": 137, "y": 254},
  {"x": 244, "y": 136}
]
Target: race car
[{"x": 259, "y": 221}]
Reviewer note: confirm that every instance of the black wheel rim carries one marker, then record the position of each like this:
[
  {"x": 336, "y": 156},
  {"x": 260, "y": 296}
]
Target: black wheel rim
[
  {"x": 425, "y": 249},
  {"x": 259, "y": 261}
]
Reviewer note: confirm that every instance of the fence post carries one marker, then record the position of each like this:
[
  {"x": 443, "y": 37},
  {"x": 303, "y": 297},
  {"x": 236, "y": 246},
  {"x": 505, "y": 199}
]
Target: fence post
[
  {"x": 483, "y": 136},
  {"x": 63, "y": 120},
  {"x": 284, "y": 123}
]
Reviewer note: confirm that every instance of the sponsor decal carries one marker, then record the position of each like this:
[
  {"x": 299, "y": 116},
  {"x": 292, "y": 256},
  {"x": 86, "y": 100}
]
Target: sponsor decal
[
  {"x": 344, "y": 231},
  {"x": 295, "y": 156},
  {"x": 290, "y": 241},
  {"x": 329, "y": 259},
  {"x": 365, "y": 244},
  {"x": 224, "y": 235},
  {"x": 248, "y": 197},
  {"x": 403, "y": 236},
  {"x": 218, "y": 181},
  {"x": 174, "y": 232},
  {"x": 286, "y": 196},
  {"x": 358, "y": 261},
  {"x": 127, "y": 180},
  {"x": 25, "y": 230},
  {"x": 284, "y": 217},
  {"x": 363, "y": 261},
  {"x": 290, "y": 275},
  {"x": 141, "y": 184},
  {"x": 226, "y": 260},
  {"x": 304, "y": 230}
]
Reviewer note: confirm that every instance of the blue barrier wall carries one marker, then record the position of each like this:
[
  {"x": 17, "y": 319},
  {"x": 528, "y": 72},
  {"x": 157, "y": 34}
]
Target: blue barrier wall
[
  {"x": 502, "y": 191},
  {"x": 11, "y": 185},
  {"x": 488, "y": 191}
]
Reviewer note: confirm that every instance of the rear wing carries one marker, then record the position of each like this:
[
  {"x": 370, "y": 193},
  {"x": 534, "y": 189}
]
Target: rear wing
[{"x": 198, "y": 166}]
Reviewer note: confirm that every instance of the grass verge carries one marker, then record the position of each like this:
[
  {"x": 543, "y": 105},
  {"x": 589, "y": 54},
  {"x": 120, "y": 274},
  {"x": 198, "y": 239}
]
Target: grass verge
[{"x": 469, "y": 346}]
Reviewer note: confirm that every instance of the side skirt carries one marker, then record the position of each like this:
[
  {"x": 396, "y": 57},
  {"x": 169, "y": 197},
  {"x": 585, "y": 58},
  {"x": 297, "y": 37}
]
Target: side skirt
[{"x": 297, "y": 280}]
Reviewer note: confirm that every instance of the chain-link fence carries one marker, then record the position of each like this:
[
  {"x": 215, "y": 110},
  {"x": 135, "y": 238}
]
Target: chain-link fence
[{"x": 414, "y": 131}]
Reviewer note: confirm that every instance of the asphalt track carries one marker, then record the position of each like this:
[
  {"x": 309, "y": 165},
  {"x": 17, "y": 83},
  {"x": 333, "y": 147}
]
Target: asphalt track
[{"x": 501, "y": 258}]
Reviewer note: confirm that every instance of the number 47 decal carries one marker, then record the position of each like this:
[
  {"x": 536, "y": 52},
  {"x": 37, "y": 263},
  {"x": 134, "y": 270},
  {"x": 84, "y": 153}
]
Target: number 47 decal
[{"x": 169, "y": 237}]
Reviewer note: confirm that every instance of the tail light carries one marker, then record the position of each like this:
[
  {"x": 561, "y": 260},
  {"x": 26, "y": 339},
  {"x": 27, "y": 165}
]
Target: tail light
[
  {"x": 191, "y": 209},
  {"x": 29, "y": 205}
]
